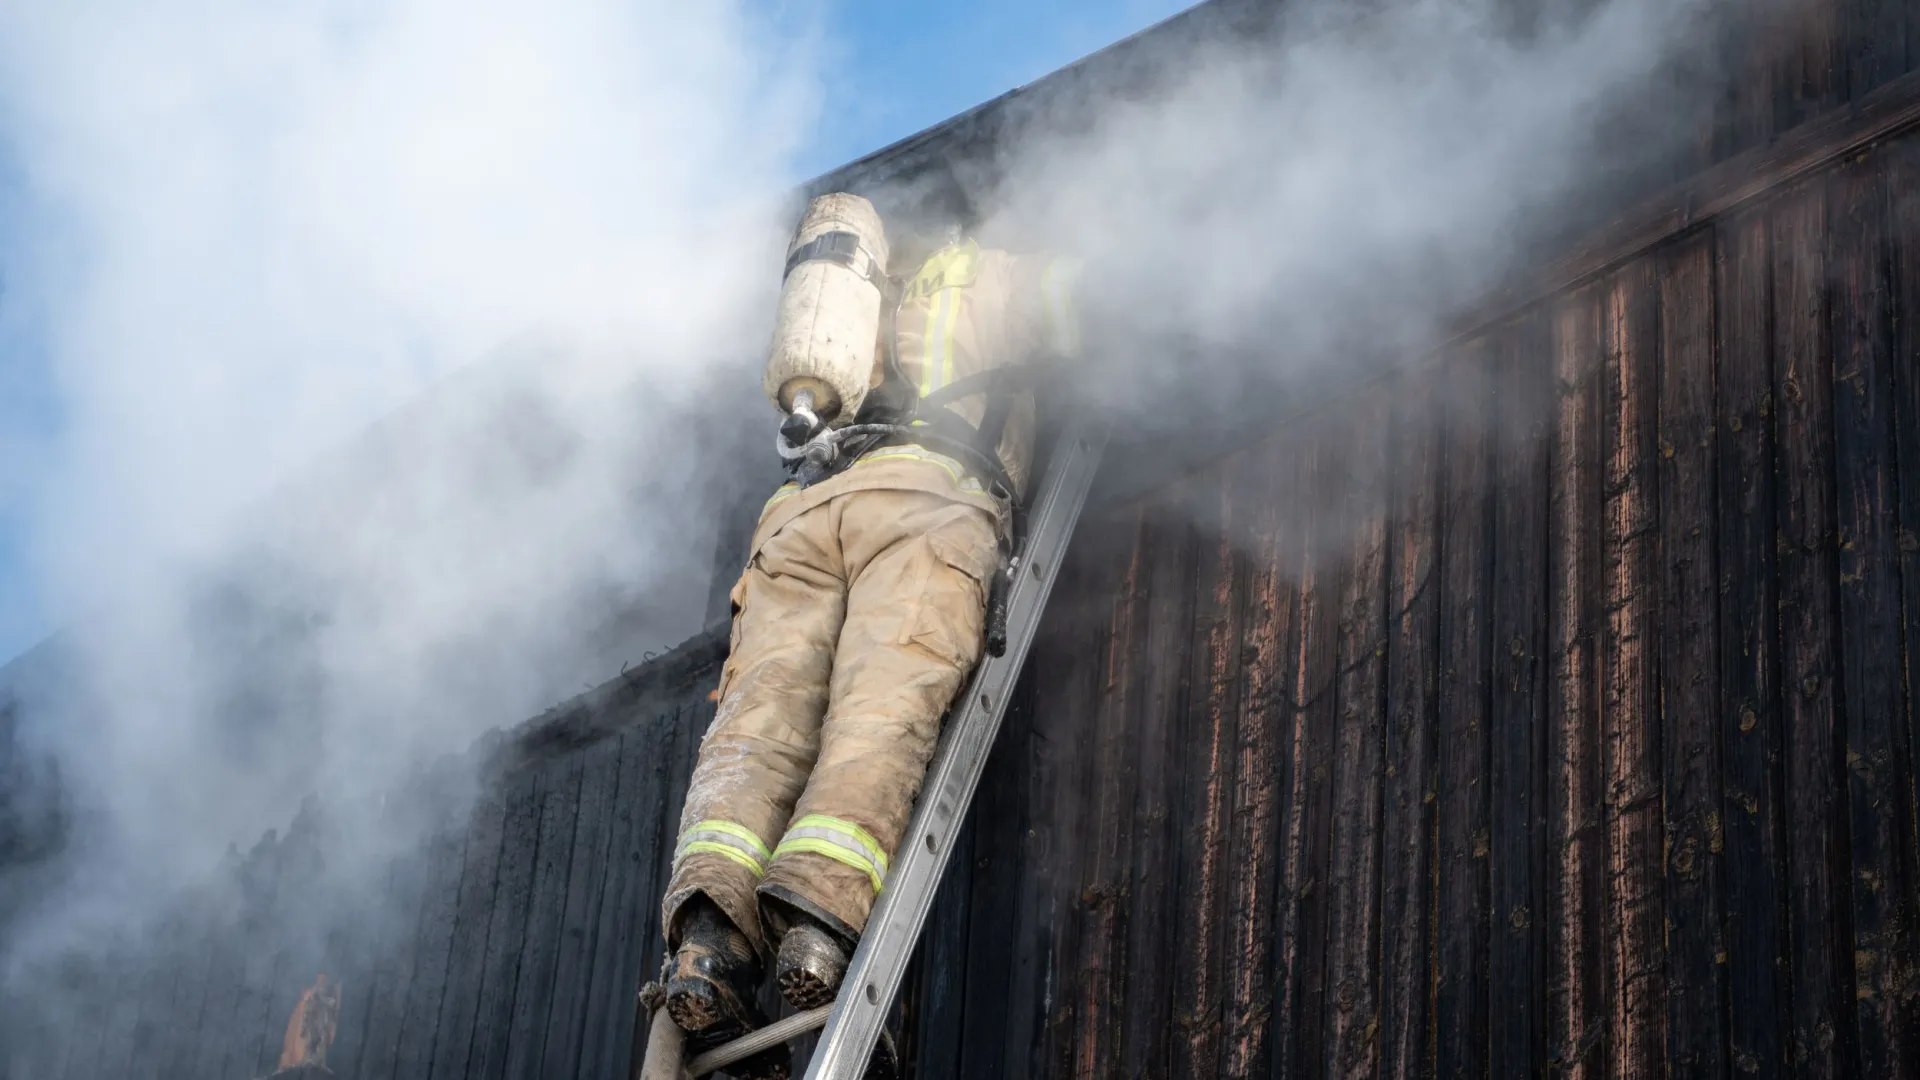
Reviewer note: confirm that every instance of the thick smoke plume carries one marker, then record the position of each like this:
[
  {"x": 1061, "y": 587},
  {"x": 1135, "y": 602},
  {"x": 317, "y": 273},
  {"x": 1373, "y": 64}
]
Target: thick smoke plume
[
  {"x": 1303, "y": 206},
  {"x": 531, "y": 244}
]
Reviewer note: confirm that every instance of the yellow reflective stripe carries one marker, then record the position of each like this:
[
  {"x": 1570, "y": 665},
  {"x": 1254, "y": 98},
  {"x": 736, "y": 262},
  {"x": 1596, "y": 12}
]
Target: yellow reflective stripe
[
  {"x": 949, "y": 268},
  {"x": 738, "y": 832},
  {"x": 859, "y": 835},
  {"x": 962, "y": 479},
  {"x": 1056, "y": 294},
  {"x": 736, "y": 842},
  {"x": 936, "y": 361},
  {"x": 832, "y": 851},
  {"x": 722, "y": 849},
  {"x": 842, "y": 841}
]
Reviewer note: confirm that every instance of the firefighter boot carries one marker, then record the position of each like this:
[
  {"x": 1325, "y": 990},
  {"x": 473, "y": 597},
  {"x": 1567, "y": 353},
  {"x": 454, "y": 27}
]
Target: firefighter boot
[
  {"x": 814, "y": 947},
  {"x": 810, "y": 966},
  {"x": 710, "y": 986}
]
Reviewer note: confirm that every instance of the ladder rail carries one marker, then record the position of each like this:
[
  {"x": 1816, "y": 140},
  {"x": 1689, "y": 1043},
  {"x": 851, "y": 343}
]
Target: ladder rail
[{"x": 879, "y": 963}]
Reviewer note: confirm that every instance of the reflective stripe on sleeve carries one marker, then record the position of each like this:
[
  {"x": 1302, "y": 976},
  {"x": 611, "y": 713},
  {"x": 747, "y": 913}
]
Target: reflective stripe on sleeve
[
  {"x": 963, "y": 481},
  {"x": 842, "y": 841},
  {"x": 736, "y": 842},
  {"x": 936, "y": 361}
]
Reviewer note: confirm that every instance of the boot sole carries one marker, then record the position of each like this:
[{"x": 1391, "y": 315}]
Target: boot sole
[
  {"x": 693, "y": 1012},
  {"x": 805, "y": 990}
]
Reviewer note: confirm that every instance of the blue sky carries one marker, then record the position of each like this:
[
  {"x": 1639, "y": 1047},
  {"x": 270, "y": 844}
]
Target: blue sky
[{"x": 894, "y": 69}]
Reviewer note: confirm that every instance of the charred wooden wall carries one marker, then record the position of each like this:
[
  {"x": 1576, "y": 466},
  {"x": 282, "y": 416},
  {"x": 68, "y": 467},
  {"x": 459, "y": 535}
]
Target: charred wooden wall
[
  {"x": 1548, "y": 710},
  {"x": 510, "y": 943}
]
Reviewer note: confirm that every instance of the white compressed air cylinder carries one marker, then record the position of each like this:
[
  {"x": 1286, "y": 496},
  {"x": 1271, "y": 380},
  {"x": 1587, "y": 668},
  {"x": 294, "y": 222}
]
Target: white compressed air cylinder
[{"x": 825, "y": 334}]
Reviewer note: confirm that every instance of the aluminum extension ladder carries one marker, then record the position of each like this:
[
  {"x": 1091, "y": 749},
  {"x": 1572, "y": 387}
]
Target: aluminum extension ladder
[{"x": 854, "y": 1021}]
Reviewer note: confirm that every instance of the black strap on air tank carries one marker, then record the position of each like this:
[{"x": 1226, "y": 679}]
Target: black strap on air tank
[{"x": 837, "y": 247}]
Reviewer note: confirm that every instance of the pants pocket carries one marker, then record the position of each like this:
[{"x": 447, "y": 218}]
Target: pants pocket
[
  {"x": 737, "y": 605},
  {"x": 949, "y": 608}
]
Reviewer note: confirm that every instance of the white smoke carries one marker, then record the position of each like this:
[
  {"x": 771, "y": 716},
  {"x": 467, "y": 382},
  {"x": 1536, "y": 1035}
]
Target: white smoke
[
  {"x": 1326, "y": 198},
  {"x": 254, "y": 229}
]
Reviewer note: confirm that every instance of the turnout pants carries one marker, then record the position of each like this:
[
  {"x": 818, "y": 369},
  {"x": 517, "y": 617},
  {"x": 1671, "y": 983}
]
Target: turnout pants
[{"x": 853, "y": 627}]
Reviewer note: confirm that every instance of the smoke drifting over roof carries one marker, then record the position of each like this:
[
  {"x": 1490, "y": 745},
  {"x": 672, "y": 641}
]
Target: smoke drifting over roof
[{"x": 1319, "y": 198}]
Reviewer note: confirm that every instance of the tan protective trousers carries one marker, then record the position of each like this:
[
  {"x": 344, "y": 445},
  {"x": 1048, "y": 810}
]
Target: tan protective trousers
[{"x": 853, "y": 628}]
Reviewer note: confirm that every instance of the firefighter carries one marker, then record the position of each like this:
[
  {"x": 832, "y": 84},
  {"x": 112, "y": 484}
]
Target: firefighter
[{"x": 862, "y": 609}]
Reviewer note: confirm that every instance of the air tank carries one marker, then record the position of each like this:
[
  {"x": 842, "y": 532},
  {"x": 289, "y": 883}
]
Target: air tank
[{"x": 828, "y": 325}]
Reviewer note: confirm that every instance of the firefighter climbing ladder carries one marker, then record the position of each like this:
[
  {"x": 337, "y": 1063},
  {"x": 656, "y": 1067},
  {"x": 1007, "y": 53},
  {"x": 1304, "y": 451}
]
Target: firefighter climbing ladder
[{"x": 853, "y": 1022}]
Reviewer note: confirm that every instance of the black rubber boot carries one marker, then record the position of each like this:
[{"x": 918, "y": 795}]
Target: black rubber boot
[
  {"x": 710, "y": 986},
  {"x": 814, "y": 947},
  {"x": 811, "y": 964}
]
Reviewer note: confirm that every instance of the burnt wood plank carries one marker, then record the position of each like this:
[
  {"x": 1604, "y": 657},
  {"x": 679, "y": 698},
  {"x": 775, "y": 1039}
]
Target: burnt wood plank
[
  {"x": 1299, "y": 1014},
  {"x": 1070, "y": 674},
  {"x": 599, "y": 792},
  {"x": 1904, "y": 181},
  {"x": 1265, "y": 701},
  {"x": 1763, "y": 172},
  {"x": 1101, "y": 566},
  {"x": 227, "y": 989},
  {"x": 943, "y": 957},
  {"x": 1878, "y": 761},
  {"x": 194, "y": 1052},
  {"x": 159, "y": 979},
  {"x": 1352, "y": 1006},
  {"x": 639, "y": 941},
  {"x": 1576, "y": 995},
  {"x": 1912, "y": 32},
  {"x": 1516, "y": 729},
  {"x": 1101, "y": 927},
  {"x": 1689, "y": 672},
  {"x": 1743, "y": 117},
  {"x": 392, "y": 931},
  {"x": 645, "y": 943},
  {"x": 1460, "y": 994},
  {"x": 1811, "y": 73},
  {"x": 355, "y": 951},
  {"x": 105, "y": 1041},
  {"x": 1152, "y": 932},
  {"x": 1057, "y": 838},
  {"x": 209, "y": 904},
  {"x": 443, "y": 854},
  {"x": 1207, "y": 763},
  {"x": 1409, "y": 785},
  {"x": 1630, "y": 686},
  {"x": 506, "y": 928},
  {"x": 998, "y": 857},
  {"x": 642, "y": 813},
  {"x": 1821, "y": 1029},
  {"x": 1875, "y": 44},
  {"x": 398, "y": 923},
  {"x": 297, "y": 932},
  {"x": 539, "y": 957},
  {"x": 466, "y": 954},
  {"x": 1749, "y": 713},
  {"x": 260, "y": 930}
]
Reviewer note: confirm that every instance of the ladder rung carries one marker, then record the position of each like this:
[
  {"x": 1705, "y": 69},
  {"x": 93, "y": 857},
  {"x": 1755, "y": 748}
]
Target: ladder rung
[{"x": 753, "y": 1042}]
